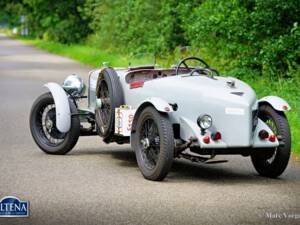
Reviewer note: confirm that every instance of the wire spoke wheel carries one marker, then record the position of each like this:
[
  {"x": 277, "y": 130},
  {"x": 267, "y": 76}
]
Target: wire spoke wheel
[
  {"x": 150, "y": 143},
  {"x": 105, "y": 109},
  {"x": 110, "y": 94},
  {"x": 43, "y": 126},
  {"x": 48, "y": 122},
  {"x": 271, "y": 124},
  {"x": 272, "y": 162},
  {"x": 153, "y": 143}
]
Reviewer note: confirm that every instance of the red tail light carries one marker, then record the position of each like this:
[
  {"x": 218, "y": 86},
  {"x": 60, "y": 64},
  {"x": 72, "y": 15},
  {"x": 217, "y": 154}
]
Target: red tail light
[
  {"x": 216, "y": 136},
  {"x": 136, "y": 84},
  {"x": 206, "y": 139},
  {"x": 263, "y": 134},
  {"x": 272, "y": 138}
]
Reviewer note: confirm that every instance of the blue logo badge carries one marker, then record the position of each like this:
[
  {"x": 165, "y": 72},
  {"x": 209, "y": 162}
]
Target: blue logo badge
[{"x": 11, "y": 206}]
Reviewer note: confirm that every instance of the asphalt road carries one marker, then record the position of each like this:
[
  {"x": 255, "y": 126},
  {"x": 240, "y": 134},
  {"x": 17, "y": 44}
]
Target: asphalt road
[{"x": 101, "y": 184}]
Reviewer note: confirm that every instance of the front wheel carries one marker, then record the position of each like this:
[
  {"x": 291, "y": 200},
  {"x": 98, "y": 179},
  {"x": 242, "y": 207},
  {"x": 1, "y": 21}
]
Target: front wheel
[
  {"x": 153, "y": 143},
  {"x": 273, "y": 165},
  {"x": 43, "y": 127}
]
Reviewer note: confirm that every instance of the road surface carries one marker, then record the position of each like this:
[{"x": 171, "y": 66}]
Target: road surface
[{"x": 101, "y": 184}]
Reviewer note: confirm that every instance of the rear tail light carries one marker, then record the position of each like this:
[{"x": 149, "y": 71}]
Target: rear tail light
[
  {"x": 272, "y": 138},
  {"x": 216, "y": 136},
  {"x": 136, "y": 84},
  {"x": 285, "y": 107},
  {"x": 263, "y": 134},
  {"x": 206, "y": 139}
]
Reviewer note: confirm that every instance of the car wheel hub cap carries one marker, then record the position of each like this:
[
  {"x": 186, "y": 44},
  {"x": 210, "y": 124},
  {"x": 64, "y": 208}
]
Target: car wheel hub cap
[
  {"x": 145, "y": 143},
  {"x": 48, "y": 124}
]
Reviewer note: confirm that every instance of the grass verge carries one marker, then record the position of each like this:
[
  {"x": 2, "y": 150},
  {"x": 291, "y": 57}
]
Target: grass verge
[{"x": 91, "y": 56}]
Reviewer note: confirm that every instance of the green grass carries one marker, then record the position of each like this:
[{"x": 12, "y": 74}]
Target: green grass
[
  {"x": 285, "y": 88},
  {"x": 87, "y": 54}
]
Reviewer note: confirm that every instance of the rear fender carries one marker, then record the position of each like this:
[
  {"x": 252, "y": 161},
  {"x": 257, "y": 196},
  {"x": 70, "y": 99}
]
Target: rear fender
[
  {"x": 158, "y": 103},
  {"x": 277, "y": 103},
  {"x": 62, "y": 107}
]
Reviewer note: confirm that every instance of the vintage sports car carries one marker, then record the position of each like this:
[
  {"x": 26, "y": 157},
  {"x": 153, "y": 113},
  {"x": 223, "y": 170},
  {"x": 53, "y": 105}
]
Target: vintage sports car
[{"x": 187, "y": 111}]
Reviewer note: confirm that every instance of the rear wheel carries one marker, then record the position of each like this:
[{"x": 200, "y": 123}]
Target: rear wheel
[
  {"x": 274, "y": 164},
  {"x": 43, "y": 127},
  {"x": 153, "y": 142}
]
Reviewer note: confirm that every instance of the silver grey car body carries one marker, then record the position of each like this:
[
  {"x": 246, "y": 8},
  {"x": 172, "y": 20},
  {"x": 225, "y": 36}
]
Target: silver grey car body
[
  {"x": 232, "y": 107},
  {"x": 190, "y": 112}
]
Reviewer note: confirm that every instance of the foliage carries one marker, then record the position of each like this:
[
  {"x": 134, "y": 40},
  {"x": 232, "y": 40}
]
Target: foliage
[
  {"x": 135, "y": 26},
  {"x": 256, "y": 40},
  {"x": 258, "y": 35},
  {"x": 56, "y": 20},
  {"x": 261, "y": 35},
  {"x": 10, "y": 11},
  {"x": 253, "y": 34},
  {"x": 286, "y": 88}
]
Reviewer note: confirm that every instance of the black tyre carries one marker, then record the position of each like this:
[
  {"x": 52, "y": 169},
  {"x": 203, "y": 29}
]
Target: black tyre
[
  {"x": 153, "y": 143},
  {"x": 110, "y": 92},
  {"x": 43, "y": 127},
  {"x": 274, "y": 164}
]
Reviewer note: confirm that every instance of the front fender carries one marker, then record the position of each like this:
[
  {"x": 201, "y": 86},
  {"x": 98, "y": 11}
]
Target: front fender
[
  {"x": 62, "y": 107},
  {"x": 276, "y": 102}
]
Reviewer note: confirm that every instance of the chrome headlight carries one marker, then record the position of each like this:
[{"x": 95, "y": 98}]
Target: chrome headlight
[
  {"x": 204, "y": 121},
  {"x": 74, "y": 85}
]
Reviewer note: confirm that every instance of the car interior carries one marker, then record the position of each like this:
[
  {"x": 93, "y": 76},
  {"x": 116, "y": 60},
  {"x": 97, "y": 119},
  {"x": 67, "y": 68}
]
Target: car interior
[{"x": 146, "y": 74}]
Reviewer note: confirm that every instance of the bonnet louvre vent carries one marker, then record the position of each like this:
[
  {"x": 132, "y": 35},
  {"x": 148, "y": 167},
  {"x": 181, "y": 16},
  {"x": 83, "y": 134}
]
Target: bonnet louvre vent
[{"x": 239, "y": 93}]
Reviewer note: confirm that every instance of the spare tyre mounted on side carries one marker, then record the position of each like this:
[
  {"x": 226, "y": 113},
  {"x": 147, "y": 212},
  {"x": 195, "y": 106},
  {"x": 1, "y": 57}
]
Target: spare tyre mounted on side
[{"x": 110, "y": 92}]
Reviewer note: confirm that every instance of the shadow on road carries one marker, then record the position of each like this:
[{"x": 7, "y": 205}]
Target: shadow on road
[{"x": 184, "y": 170}]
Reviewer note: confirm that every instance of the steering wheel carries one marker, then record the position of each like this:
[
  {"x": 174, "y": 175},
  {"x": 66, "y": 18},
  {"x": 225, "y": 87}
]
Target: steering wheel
[{"x": 204, "y": 69}]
